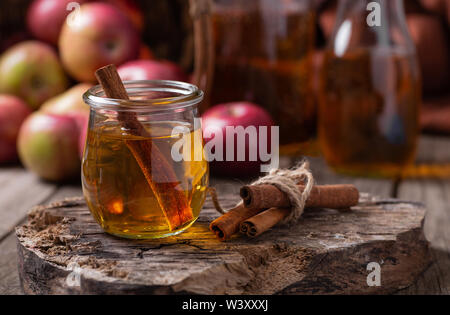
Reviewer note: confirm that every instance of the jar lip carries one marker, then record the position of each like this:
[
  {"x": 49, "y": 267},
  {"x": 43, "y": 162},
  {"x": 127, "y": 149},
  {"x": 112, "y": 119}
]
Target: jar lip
[{"x": 187, "y": 96}]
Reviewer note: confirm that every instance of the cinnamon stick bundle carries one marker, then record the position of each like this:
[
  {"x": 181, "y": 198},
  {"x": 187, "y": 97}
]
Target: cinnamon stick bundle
[
  {"x": 328, "y": 196},
  {"x": 265, "y": 205},
  {"x": 263, "y": 221},
  {"x": 227, "y": 225},
  {"x": 269, "y": 196},
  {"x": 150, "y": 159}
]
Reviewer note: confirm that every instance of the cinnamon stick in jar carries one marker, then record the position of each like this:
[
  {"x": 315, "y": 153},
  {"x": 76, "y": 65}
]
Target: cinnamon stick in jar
[
  {"x": 150, "y": 159},
  {"x": 327, "y": 196}
]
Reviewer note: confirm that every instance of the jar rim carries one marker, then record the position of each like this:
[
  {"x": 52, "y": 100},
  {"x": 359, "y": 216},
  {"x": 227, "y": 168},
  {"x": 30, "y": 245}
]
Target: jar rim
[{"x": 187, "y": 96}]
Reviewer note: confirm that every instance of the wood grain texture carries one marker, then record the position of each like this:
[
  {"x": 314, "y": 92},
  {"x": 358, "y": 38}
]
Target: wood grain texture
[
  {"x": 435, "y": 280},
  {"x": 433, "y": 149},
  {"x": 20, "y": 190},
  {"x": 436, "y": 195},
  {"x": 9, "y": 276},
  {"x": 326, "y": 253}
]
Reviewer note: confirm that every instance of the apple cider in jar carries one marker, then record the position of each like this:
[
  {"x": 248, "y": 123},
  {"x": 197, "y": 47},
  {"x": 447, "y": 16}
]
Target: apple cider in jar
[{"x": 145, "y": 186}]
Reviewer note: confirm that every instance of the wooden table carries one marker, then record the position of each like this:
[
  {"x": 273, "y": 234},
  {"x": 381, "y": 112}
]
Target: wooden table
[{"x": 22, "y": 190}]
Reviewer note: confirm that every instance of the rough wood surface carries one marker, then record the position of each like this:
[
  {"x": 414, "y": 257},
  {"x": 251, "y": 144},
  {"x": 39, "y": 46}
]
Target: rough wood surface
[
  {"x": 9, "y": 277},
  {"x": 20, "y": 191},
  {"x": 17, "y": 199},
  {"x": 326, "y": 253},
  {"x": 436, "y": 195}
]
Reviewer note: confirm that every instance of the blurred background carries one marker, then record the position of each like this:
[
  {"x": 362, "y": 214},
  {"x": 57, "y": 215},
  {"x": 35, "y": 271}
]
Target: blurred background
[
  {"x": 278, "y": 62},
  {"x": 171, "y": 19}
]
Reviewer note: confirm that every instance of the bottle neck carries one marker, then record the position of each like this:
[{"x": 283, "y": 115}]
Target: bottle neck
[
  {"x": 371, "y": 23},
  {"x": 394, "y": 6},
  {"x": 378, "y": 12}
]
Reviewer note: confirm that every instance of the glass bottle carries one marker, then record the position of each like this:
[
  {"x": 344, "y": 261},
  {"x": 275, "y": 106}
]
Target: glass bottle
[
  {"x": 134, "y": 185},
  {"x": 263, "y": 52},
  {"x": 370, "y": 90}
]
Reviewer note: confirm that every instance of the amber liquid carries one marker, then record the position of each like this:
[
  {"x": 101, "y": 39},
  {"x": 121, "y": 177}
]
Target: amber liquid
[
  {"x": 368, "y": 112},
  {"x": 265, "y": 56},
  {"x": 117, "y": 192}
]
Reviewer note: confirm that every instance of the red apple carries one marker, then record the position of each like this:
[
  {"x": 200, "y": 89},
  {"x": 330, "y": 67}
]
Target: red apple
[
  {"x": 98, "y": 35},
  {"x": 243, "y": 114},
  {"x": 152, "y": 70},
  {"x": 46, "y": 17},
  {"x": 13, "y": 112},
  {"x": 31, "y": 70},
  {"x": 48, "y": 146}
]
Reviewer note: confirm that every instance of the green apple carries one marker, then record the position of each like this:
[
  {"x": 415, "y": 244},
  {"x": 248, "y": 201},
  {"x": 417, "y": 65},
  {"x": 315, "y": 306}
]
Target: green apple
[{"x": 32, "y": 71}]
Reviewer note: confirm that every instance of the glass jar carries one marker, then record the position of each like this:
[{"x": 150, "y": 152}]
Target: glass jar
[
  {"x": 263, "y": 52},
  {"x": 370, "y": 90},
  {"x": 136, "y": 184}
]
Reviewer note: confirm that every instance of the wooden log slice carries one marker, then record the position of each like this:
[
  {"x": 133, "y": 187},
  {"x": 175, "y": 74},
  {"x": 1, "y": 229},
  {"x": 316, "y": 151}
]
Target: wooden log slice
[{"x": 62, "y": 250}]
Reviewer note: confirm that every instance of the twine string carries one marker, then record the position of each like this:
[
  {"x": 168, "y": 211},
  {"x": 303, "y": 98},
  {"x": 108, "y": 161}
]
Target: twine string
[{"x": 287, "y": 181}]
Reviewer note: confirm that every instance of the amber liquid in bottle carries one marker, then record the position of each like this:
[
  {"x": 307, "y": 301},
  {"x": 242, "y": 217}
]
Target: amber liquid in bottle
[
  {"x": 265, "y": 56},
  {"x": 368, "y": 112},
  {"x": 118, "y": 194}
]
